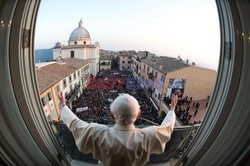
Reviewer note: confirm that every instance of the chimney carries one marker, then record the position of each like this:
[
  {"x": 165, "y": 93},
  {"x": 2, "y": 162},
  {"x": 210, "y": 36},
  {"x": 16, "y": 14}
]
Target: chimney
[{"x": 161, "y": 67}]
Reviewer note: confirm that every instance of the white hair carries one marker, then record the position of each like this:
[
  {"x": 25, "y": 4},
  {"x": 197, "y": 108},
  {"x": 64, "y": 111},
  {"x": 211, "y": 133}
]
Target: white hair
[{"x": 125, "y": 109}]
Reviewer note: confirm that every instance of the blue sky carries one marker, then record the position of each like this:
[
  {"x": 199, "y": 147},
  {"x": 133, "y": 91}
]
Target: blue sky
[{"x": 189, "y": 28}]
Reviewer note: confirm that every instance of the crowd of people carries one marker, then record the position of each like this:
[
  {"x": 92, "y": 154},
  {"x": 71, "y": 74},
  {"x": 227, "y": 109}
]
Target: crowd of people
[
  {"x": 94, "y": 104},
  {"x": 183, "y": 109}
]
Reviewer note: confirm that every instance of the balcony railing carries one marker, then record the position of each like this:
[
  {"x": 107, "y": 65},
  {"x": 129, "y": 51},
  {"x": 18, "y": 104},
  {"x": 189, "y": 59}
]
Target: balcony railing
[
  {"x": 71, "y": 96},
  {"x": 175, "y": 148}
]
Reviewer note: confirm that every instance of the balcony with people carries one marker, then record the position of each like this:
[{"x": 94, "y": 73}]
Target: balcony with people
[
  {"x": 73, "y": 93},
  {"x": 151, "y": 76}
]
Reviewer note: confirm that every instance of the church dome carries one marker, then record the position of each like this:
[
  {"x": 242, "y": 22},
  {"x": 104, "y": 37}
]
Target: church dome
[{"x": 79, "y": 33}]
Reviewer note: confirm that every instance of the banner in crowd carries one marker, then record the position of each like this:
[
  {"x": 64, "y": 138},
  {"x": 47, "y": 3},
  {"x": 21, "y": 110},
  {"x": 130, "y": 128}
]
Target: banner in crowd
[{"x": 176, "y": 85}]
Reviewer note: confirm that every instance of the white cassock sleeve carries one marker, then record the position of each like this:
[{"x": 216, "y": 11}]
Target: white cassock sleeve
[
  {"x": 67, "y": 116},
  {"x": 85, "y": 134},
  {"x": 163, "y": 133}
]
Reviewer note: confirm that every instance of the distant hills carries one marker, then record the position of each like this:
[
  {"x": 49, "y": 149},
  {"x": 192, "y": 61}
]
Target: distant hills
[{"x": 43, "y": 55}]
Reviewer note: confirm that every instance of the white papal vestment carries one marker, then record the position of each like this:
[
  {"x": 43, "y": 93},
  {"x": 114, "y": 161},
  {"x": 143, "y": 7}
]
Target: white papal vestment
[{"x": 119, "y": 145}]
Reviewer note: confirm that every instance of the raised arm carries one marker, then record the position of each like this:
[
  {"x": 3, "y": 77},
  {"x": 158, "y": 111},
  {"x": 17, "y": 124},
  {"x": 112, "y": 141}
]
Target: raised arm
[
  {"x": 164, "y": 131},
  {"x": 84, "y": 133},
  {"x": 174, "y": 101},
  {"x": 170, "y": 118},
  {"x": 66, "y": 114}
]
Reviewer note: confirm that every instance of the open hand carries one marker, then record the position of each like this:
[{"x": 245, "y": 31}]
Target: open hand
[
  {"x": 61, "y": 98},
  {"x": 174, "y": 100}
]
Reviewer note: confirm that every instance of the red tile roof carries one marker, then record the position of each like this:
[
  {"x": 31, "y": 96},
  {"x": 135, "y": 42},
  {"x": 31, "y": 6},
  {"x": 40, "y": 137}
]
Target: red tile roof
[{"x": 50, "y": 74}]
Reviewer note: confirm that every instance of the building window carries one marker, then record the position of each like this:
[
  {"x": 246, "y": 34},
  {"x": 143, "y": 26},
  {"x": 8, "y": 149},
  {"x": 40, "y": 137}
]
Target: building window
[
  {"x": 162, "y": 78},
  {"x": 64, "y": 83},
  {"x": 71, "y": 88},
  {"x": 86, "y": 68},
  {"x": 72, "y": 54},
  {"x": 75, "y": 42},
  {"x": 156, "y": 73},
  {"x": 65, "y": 94},
  {"x": 70, "y": 79},
  {"x": 58, "y": 88},
  {"x": 78, "y": 73},
  {"x": 148, "y": 69},
  {"x": 43, "y": 99},
  {"x": 144, "y": 67},
  {"x": 159, "y": 96},
  {"x": 49, "y": 96},
  {"x": 123, "y": 61},
  {"x": 74, "y": 76},
  {"x": 84, "y": 42}
]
